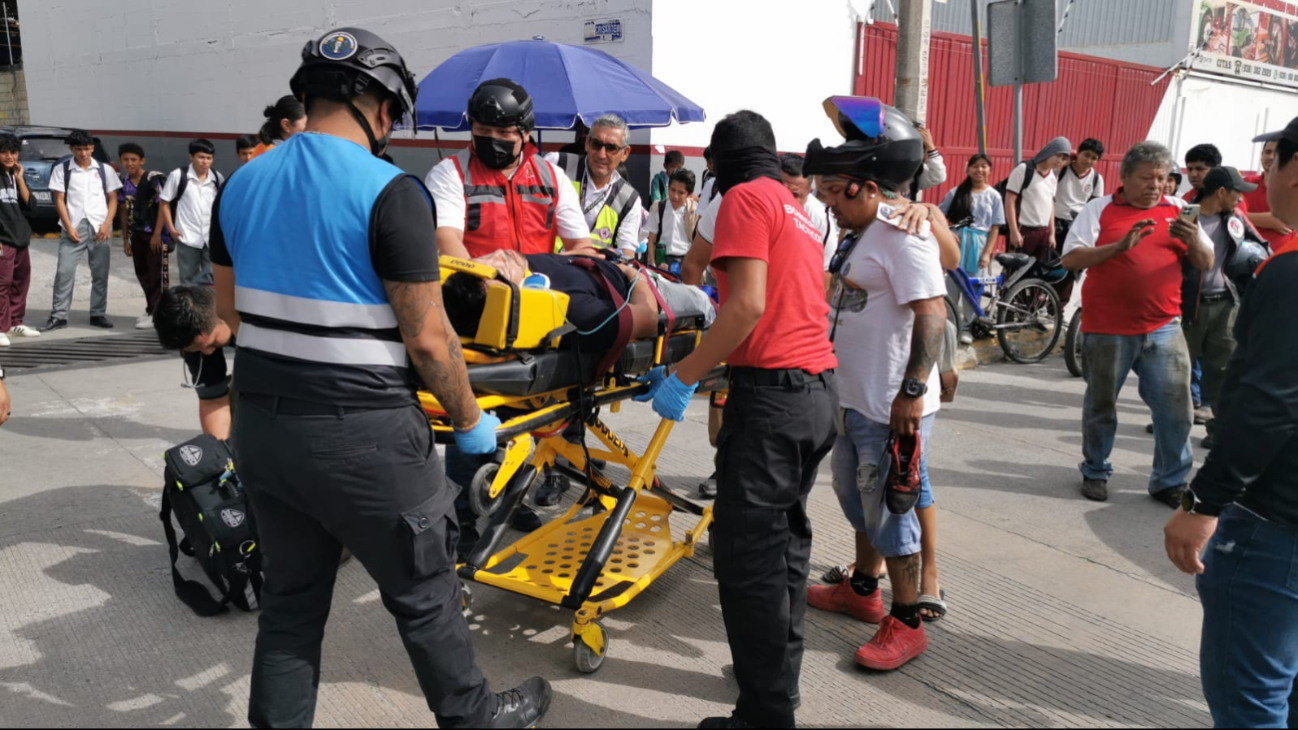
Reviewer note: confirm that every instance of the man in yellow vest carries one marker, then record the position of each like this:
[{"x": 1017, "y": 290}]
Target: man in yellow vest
[{"x": 611, "y": 205}]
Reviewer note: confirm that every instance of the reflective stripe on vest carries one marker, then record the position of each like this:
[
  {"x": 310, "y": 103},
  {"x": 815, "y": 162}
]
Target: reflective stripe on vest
[{"x": 503, "y": 213}]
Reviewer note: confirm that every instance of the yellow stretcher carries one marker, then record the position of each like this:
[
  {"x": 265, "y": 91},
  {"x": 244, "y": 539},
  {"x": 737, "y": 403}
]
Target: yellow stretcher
[{"x": 615, "y": 540}]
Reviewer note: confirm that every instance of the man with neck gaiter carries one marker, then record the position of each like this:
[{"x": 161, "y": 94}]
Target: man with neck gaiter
[
  {"x": 519, "y": 202},
  {"x": 773, "y": 330}
]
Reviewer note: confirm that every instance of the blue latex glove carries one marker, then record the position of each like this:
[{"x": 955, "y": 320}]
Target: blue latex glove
[
  {"x": 673, "y": 397},
  {"x": 655, "y": 379},
  {"x": 481, "y": 439}
]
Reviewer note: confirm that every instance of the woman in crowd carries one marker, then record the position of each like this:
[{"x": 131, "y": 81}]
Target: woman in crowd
[{"x": 284, "y": 119}]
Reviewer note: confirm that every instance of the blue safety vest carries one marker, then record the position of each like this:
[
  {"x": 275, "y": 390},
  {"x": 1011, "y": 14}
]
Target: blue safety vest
[{"x": 316, "y": 320}]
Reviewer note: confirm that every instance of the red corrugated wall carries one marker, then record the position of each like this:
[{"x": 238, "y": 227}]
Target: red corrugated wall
[{"x": 1093, "y": 97}]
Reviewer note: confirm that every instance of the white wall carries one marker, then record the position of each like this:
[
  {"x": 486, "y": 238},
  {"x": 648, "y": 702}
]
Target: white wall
[
  {"x": 778, "y": 59},
  {"x": 1223, "y": 113},
  {"x": 212, "y": 65}
]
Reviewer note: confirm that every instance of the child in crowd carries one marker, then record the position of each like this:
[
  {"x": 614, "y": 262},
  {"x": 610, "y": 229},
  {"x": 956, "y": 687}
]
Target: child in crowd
[
  {"x": 15, "y": 237},
  {"x": 85, "y": 193},
  {"x": 671, "y": 222},
  {"x": 137, "y": 207},
  {"x": 186, "y": 212},
  {"x": 674, "y": 161},
  {"x": 246, "y": 147},
  {"x": 977, "y": 200}
]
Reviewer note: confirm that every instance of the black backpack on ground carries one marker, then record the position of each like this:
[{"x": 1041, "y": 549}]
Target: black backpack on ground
[{"x": 212, "y": 509}]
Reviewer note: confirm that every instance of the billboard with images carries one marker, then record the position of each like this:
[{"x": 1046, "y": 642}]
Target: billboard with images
[{"x": 1249, "y": 40}]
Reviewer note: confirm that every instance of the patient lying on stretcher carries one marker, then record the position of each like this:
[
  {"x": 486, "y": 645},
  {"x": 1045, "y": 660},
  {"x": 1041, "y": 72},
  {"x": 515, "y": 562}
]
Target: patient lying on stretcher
[{"x": 590, "y": 307}]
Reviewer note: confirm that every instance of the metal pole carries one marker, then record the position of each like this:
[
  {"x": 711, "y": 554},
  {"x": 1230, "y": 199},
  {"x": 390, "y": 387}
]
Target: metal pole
[
  {"x": 1018, "y": 123},
  {"x": 980, "y": 94},
  {"x": 8, "y": 39},
  {"x": 914, "y": 26}
]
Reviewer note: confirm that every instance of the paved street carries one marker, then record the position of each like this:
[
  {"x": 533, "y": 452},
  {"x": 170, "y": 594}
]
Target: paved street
[{"x": 1063, "y": 612}]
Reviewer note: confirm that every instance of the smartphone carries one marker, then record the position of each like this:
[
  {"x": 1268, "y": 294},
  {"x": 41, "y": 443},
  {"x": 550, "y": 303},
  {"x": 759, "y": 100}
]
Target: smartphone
[{"x": 1190, "y": 213}]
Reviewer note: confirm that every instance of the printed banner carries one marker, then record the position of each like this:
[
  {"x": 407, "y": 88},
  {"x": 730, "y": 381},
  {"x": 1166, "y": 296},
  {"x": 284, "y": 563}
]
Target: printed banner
[{"x": 1248, "y": 40}]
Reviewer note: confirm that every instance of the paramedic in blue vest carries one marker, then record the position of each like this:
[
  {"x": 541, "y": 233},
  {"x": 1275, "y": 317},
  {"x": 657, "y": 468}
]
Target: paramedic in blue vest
[
  {"x": 611, "y": 205},
  {"x": 519, "y": 202},
  {"x": 331, "y": 283}
]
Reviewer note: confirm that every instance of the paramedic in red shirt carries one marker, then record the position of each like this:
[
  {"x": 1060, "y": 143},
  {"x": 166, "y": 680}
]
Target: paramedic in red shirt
[
  {"x": 773, "y": 330},
  {"x": 1134, "y": 243},
  {"x": 500, "y": 194}
]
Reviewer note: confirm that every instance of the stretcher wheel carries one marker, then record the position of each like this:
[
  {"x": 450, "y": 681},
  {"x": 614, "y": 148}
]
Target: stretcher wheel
[
  {"x": 466, "y": 599},
  {"x": 480, "y": 491},
  {"x": 588, "y": 660}
]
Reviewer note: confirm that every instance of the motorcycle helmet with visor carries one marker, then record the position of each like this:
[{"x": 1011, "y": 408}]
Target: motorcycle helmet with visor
[{"x": 881, "y": 144}]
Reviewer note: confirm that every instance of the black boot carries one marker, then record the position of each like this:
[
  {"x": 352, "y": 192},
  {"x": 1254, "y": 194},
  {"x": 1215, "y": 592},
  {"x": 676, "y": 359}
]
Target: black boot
[{"x": 523, "y": 706}]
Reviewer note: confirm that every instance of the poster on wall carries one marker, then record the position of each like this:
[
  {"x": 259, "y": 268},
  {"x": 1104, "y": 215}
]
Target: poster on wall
[{"x": 1248, "y": 40}]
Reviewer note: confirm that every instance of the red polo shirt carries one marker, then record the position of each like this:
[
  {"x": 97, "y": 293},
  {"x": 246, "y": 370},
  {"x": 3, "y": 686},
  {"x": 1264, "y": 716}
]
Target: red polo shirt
[
  {"x": 1138, "y": 291},
  {"x": 1256, "y": 202},
  {"x": 762, "y": 220}
]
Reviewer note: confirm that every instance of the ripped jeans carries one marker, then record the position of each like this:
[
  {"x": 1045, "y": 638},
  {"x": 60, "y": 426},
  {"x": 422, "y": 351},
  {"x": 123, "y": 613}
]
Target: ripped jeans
[
  {"x": 859, "y": 486},
  {"x": 1248, "y": 655}
]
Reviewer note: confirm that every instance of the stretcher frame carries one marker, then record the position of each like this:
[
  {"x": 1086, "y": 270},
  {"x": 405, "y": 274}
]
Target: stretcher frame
[{"x": 593, "y": 564}]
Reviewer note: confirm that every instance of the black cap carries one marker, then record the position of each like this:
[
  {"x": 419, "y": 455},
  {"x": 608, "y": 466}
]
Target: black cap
[
  {"x": 1290, "y": 133},
  {"x": 1226, "y": 177}
]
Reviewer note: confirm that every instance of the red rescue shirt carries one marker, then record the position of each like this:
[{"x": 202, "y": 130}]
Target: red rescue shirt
[
  {"x": 1136, "y": 292},
  {"x": 762, "y": 220}
]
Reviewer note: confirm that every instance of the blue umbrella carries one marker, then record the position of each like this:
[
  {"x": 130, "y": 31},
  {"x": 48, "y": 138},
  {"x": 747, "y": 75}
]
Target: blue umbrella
[{"x": 565, "y": 82}]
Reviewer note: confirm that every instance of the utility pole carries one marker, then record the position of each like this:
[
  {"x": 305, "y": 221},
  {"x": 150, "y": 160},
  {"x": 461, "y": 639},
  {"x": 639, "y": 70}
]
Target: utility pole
[
  {"x": 980, "y": 92},
  {"x": 914, "y": 29}
]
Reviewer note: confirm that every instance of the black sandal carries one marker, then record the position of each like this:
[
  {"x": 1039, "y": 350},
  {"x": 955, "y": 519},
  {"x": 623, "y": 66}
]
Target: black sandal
[{"x": 936, "y": 605}]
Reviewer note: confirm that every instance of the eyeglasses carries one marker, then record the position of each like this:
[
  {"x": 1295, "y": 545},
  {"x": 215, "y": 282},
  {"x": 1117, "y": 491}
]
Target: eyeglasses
[
  {"x": 596, "y": 145},
  {"x": 844, "y": 249}
]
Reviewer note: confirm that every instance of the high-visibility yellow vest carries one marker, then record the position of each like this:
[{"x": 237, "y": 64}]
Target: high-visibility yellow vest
[{"x": 617, "y": 203}]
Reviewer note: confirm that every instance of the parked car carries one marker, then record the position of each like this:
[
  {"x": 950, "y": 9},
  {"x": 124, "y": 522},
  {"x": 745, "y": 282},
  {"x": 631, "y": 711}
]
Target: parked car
[{"x": 42, "y": 149}]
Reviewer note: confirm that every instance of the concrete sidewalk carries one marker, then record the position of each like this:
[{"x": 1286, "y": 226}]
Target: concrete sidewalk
[{"x": 1063, "y": 612}]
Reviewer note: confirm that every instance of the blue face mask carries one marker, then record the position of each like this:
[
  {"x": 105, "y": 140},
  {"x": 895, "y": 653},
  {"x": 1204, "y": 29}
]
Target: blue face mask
[{"x": 496, "y": 154}]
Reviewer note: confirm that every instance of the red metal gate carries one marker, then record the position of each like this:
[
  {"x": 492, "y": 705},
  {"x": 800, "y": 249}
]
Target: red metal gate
[{"x": 1110, "y": 100}]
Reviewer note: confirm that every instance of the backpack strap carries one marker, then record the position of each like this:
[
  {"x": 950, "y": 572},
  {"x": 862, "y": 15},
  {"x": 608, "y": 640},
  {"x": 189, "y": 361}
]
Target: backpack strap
[
  {"x": 190, "y": 592},
  {"x": 180, "y": 188}
]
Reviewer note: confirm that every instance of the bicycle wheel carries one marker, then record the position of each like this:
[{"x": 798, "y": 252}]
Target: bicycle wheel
[
  {"x": 1073, "y": 346},
  {"x": 1029, "y": 321}
]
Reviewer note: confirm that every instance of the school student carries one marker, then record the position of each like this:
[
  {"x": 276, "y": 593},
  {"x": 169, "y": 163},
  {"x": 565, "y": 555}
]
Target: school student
[
  {"x": 671, "y": 222},
  {"x": 15, "y": 237},
  {"x": 137, "y": 206},
  {"x": 186, "y": 212},
  {"x": 85, "y": 193},
  {"x": 246, "y": 147}
]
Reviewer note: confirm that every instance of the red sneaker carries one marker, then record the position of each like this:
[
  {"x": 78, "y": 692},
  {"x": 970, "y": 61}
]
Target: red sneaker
[
  {"x": 842, "y": 599},
  {"x": 893, "y": 646}
]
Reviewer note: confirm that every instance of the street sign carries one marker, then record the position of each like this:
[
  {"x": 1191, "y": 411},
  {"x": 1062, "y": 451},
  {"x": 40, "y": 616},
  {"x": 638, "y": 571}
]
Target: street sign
[
  {"x": 1022, "y": 42},
  {"x": 603, "y": 31}
]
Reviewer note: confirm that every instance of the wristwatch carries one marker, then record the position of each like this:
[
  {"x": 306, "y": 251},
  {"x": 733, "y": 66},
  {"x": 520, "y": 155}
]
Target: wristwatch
[
  {"x": 1193, "y": 506},
  {"x": 913, "y": 388}
]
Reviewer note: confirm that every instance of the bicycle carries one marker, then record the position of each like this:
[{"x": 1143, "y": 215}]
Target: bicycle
[
  {"x": 1073, "y": 357},
  {"x": 1027, "y": 318}
]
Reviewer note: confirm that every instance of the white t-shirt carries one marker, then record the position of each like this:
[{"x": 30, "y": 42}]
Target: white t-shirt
[
  {"x": 676, "y": 238},
  {"x": 705, "y": 194},
  {"x": 193, "y": 215},
  {"x": 85, "y": 193},
  {"x": 886, "y": 271},
  {"x": 824, "y": 223},
  {"x": 708, "y": 218},
  {"x": 1038, "y": 200},
  {"x": 1073, "y": 193},
  {"x": 447, "y": 189}
]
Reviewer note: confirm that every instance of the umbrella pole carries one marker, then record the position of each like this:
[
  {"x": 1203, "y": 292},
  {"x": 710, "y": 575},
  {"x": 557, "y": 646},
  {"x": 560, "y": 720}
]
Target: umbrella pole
[{"x": 438, "y": 139}]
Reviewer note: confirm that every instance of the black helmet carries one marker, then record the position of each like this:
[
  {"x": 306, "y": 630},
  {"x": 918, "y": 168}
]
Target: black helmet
[
  {"x": 1248, "y": 256},
  {"x": 502, "y": 103},
  {"x": 882, "y": 144},
  {"x": 344, "y": 62}
]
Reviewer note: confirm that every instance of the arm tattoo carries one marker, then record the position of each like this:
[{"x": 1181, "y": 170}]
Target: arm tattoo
[
  {"x": 448, "y": 377},
  {"x": 925, "y": 345}
]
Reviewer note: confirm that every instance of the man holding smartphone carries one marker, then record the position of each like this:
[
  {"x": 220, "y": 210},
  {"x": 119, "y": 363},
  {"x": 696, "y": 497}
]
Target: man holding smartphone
[
  {"x": 1135, "y": 242},
  {"x": 1210, "y": 299}
]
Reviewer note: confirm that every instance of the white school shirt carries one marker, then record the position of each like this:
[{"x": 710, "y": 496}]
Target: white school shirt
[
  {"x": 85, "y": 194},
  {"x": 192, "y": 216}
]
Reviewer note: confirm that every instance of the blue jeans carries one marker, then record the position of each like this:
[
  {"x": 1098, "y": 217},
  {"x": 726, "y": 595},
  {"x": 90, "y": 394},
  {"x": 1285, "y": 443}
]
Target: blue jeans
[
  {"x": 857, "y": 483},
  {"x": 1196, "y": 383},
  {"x": 1248, "y": 656},
  {"x": 1162, "y": 362}
]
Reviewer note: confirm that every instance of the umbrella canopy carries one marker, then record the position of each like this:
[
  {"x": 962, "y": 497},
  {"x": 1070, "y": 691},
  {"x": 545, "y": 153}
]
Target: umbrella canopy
[{"x": 565, "y": 83}]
